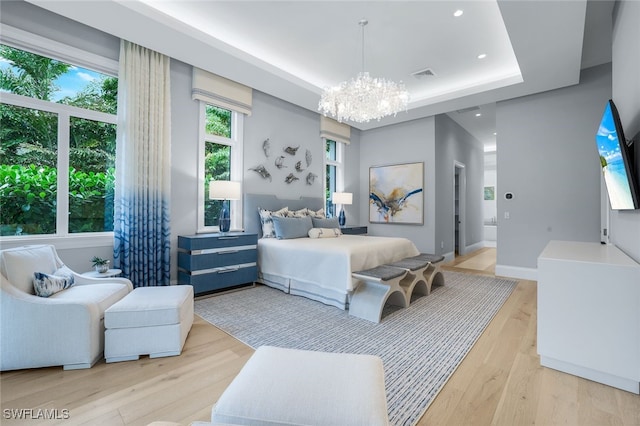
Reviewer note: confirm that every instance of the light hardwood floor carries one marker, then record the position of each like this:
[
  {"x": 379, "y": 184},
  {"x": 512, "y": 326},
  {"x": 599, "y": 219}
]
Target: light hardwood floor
[{"x": 500, "y": 382}]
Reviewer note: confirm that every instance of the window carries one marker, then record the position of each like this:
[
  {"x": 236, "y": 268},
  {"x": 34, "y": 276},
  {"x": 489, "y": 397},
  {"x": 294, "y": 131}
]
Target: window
[
  {"x": 334, "y": 180},
  {"x": 55, "y": 116},
  {"x": 221, "y": 153}
]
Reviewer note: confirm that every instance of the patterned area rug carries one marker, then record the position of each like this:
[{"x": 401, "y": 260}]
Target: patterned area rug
[{"x": 420, "y": 346}]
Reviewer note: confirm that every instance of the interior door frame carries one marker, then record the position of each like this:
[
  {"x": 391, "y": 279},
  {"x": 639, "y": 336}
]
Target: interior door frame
[{"x": 460, "y": 192}]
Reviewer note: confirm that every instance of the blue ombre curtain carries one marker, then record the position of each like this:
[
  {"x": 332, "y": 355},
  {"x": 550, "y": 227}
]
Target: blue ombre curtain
[{"x": 143, "y": 185}]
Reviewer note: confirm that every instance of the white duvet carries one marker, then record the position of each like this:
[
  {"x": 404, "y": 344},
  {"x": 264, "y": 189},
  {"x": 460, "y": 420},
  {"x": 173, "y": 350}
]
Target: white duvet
[{"x": 328, "y": 262}]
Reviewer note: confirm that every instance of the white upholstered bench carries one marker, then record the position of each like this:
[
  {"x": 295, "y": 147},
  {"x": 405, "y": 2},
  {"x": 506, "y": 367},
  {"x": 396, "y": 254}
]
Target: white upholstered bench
[
  {"x": 279, "y": 386},
  {"x": 149, "y": 320}
]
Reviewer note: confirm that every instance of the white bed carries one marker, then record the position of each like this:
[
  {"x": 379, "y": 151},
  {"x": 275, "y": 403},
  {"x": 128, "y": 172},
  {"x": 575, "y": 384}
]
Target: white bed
[{"x": 318, "y": 268}]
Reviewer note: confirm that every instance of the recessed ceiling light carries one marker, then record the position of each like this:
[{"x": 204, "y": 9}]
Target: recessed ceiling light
[
  {"x": 458, "y": 12},
  {"x": 482, "y": 56},
  {"x": 495, "y": 134},
  {"x": 478, "y": 114}
]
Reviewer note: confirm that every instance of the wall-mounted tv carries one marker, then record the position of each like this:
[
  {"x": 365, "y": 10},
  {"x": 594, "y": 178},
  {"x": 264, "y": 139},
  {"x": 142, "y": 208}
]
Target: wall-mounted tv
[{"x": 616, "y": 160}]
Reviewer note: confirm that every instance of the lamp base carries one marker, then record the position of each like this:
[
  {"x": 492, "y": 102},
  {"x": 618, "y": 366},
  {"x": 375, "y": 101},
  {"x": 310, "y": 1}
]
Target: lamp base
[
  {"x": 342, "y": 218},
  {"x": 224, "y": 222}
]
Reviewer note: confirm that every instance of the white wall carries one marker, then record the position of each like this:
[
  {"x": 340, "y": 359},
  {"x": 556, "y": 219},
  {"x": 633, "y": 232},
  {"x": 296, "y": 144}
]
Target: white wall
[
  {"x": 409, "y": 142},
  {"x": 548, "y": 159},
  {"x": 490, "y": 179},
  {"x": 455, "y": 145},
  {"x": 625, "y": 225}
]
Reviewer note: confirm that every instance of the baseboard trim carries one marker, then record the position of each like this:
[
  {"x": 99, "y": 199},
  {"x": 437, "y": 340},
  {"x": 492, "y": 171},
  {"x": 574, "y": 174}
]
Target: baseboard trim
[
  {"x": 488, "y": 243},
  {"x": 517, "y": 272},
  {"x": 448, "y": 257},
  {"x": 474, "y": 247}
]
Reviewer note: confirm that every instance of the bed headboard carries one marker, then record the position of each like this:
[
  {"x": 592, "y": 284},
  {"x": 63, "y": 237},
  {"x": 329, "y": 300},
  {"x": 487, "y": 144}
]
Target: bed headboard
[{"x": 270, "y": 202}]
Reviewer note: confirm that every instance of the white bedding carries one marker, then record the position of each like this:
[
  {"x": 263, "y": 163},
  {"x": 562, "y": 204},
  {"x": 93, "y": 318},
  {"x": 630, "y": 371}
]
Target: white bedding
[{"x": 328, "y": 262}]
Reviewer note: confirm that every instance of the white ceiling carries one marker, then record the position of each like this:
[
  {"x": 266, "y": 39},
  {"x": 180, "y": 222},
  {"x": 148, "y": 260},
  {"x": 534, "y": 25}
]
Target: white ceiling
[{"x": 293, "y": 49}]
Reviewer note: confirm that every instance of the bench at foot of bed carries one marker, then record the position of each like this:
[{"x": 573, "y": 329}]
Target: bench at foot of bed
[
  {"x": 432, "y": 274},
  {"x": 395, "y": 284},
  {"x": 379, "y": 286}
]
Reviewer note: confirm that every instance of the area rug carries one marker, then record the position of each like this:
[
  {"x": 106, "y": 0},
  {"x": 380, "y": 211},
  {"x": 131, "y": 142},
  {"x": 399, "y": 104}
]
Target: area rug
[{"x": 420, "y": 346}]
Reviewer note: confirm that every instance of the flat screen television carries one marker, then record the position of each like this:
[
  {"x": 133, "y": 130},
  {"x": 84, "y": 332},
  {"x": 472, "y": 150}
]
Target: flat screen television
[{"x": 616, "y": 160}]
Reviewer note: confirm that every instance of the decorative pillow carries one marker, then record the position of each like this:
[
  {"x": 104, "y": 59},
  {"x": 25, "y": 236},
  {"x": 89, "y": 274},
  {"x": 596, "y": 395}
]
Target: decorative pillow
[
  {"x": 266, "y": 221},
  {"x": 47, "y": 284},
  {"x": 324, "y": 232},
  {"x": 292, "y": 227},
  {"x": 299, "y": 213},
  {"x": 320, "y": 214},
  {"x": 326, "y": 223}
]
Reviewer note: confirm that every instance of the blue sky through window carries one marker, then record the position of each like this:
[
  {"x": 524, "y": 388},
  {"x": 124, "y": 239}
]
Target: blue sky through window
[{"x": 70, "y": 83}]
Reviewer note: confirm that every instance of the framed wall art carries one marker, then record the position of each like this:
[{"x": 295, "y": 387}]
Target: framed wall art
[
  {"x": 489, "y": 193},
  {"x": 396, "y": 194}
]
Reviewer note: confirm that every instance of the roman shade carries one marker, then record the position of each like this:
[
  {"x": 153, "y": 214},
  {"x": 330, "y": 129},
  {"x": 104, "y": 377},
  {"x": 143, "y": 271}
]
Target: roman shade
[
  {"x": 331, "y": 129},
  {"x": 221, "y": 92}
]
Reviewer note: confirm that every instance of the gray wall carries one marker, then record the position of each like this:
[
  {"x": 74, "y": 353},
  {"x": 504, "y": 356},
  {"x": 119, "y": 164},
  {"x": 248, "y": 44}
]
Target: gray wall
[
  {"x": 547, "y": 158},
  {"x": 625, "y": 225},
  {"x": 184, "y": 158},
  {"x": 455, "y": 144},
  {"x": 28, "y": 17},
  {"x": 408, "y": 142},
  {"x": 285, "y": 125}
]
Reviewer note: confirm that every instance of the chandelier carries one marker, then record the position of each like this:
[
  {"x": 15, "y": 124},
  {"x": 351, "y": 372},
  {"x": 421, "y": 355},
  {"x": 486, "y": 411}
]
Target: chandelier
[{"x": 363, "y": 98}]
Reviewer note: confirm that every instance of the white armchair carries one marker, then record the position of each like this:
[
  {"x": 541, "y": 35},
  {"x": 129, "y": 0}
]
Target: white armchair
[{"x": 66, "y": 328}]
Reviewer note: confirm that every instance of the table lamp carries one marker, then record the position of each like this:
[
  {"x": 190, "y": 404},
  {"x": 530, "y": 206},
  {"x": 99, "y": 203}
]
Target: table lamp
[
  {"x": 224, "y": 190},
  {"x": 342, "y": 198}
]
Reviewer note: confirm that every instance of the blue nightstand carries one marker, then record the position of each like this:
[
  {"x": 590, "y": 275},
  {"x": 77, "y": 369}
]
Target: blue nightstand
[
  {"x": 215, "y": 262},
  {"x": 354, "y": 230}
]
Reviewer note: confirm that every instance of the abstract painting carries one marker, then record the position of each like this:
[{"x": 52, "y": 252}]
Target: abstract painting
[{"x": 396, "y": 194}]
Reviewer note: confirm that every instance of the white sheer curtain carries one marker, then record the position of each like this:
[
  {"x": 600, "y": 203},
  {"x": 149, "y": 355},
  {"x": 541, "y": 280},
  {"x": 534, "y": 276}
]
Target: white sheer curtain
[{"x": 143, "y": 163}]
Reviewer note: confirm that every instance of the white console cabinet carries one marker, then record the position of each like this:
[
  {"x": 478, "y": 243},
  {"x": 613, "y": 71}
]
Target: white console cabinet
[{"x": 589, "y": 313}]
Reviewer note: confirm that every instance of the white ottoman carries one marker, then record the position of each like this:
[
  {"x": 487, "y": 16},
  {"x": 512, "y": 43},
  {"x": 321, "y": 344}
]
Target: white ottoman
[
  {"x": 149, "y": 320},
  {"x": 294, "y": 387}
]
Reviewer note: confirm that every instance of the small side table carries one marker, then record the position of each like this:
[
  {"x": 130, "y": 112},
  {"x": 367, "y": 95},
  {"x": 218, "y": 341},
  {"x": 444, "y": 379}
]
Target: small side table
[
  {"x": 354, "y": 230},
  {"x": 108, "y": 274}
]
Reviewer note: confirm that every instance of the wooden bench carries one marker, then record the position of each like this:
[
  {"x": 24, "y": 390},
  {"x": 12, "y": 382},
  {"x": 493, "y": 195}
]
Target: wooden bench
[{"x": 378, "y": 286}]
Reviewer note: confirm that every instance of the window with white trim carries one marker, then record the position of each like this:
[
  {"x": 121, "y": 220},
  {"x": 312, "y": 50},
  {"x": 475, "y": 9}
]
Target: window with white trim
[
  {"x": 55, "y": 115},
  {"x": 221, "y": 147},
  {"x": 334, "y": 173}
]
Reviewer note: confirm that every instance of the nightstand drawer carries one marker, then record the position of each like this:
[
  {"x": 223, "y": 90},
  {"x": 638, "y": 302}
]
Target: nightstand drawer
[
  {"x": 219, "y": 279},
  {"x": 224, "y": 257},
  {"x": 212, "y": 241}
]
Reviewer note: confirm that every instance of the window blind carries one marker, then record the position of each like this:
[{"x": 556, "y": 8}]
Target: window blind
[
  {"x": 332, "y": 130},
  {"x": 221, "y": 92}
]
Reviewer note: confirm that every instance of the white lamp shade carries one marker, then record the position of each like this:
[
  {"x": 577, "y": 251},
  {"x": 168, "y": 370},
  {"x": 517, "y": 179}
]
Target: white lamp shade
[
  {"x": 224, "y": 190},
  {"x": 342, "y": 198}
]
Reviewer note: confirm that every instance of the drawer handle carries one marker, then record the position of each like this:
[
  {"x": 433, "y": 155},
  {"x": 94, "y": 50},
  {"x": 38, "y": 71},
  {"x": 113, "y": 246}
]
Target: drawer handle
[
  {"x": 228, "y": 251},
  {"x": 224, "y": 271},
  {"x": 228, "y": 238}
]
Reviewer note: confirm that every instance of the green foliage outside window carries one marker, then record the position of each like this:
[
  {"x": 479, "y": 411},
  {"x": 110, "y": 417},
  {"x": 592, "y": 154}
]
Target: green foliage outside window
[
  {"x": 217, "y": 162},
  {"x": 29, "y": 151}
]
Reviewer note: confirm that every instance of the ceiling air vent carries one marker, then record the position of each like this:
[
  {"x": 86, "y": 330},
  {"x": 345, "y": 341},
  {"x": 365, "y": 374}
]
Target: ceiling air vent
[
  {"x": 427, "y": 72},
  {"x": 462, "y": 111}
]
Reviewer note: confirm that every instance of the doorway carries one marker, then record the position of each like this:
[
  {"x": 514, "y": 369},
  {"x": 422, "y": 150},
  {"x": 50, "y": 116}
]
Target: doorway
[{"x": 459, "y": 197}]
